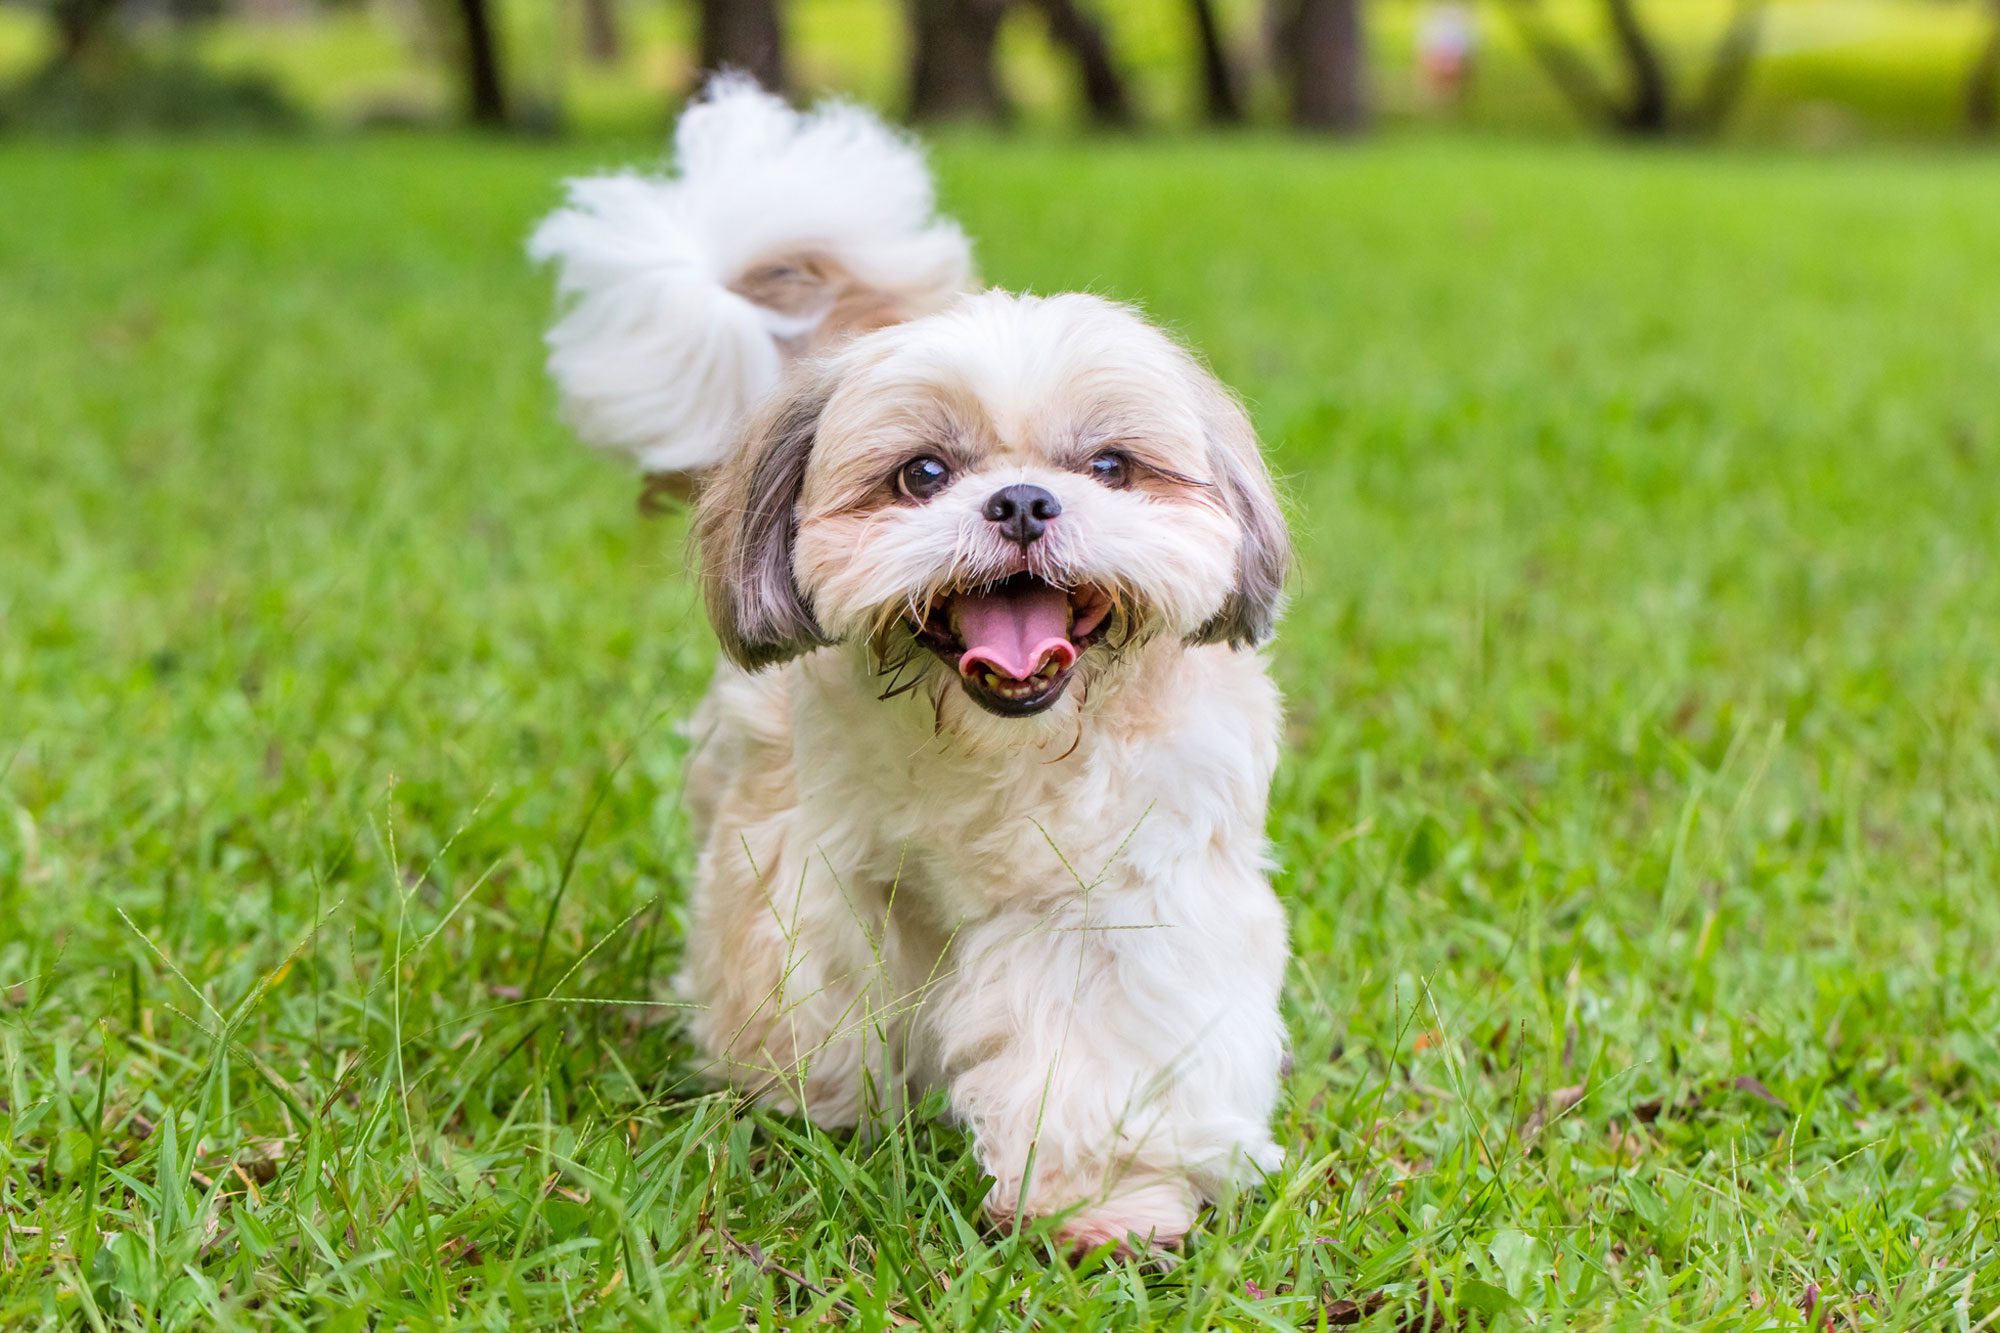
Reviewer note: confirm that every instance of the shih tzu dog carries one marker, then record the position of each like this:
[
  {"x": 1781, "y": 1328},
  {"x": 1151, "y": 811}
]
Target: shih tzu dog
[{"x": 980, "y": 789}]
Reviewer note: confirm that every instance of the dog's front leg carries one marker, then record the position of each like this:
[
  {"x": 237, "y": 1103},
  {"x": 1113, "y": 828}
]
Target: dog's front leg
[
  {"x": 785, "y": 969},
  {"x": 1117, "y": 1064}
]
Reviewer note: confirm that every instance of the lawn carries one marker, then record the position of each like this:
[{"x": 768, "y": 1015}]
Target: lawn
[{"x": 1640, "y": 822}]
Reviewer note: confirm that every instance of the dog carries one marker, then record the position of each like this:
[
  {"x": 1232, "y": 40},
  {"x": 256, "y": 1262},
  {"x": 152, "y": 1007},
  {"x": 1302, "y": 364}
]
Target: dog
[{"x": 980, "y": 785}]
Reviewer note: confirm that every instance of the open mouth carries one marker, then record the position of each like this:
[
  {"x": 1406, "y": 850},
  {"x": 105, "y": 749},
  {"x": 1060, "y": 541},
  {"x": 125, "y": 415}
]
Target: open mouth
[{"x": 1015, "y": 643}]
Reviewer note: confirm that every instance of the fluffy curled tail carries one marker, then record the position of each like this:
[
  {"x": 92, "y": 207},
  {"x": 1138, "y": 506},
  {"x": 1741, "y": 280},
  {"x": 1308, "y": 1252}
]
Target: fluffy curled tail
[{"x": 685, "y": 295}]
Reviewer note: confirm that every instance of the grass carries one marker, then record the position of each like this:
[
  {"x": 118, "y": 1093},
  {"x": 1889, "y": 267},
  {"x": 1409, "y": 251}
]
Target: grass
[{"x": 1640, "y": 824}]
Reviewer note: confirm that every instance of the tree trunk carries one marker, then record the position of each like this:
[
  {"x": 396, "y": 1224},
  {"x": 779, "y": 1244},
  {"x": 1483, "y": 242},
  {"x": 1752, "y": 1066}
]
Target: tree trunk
[
  {"x": 952, "y": 50},
  {"x": 80, "y": 28},
  {"x": 1103, "y": 87},
  {"x": 1644, "y": 104},
  {"x": 601, "y": 45},
  {"x": 1649, "y": 111},
  {"x": 1982, "y": 90},
  {"x": 747, "y": 35},
  {"x": 1218, "y": 81},
  {"x": 1570, "y": 73},
  {"x": 479, "y": 56},
  {"x": 1729, "y": 72},
  {"x": 1329, "y": 66}
]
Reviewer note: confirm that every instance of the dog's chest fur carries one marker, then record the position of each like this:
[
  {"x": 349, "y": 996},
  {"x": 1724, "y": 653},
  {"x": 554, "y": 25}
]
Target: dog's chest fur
[{"x": 980, "y": 815}]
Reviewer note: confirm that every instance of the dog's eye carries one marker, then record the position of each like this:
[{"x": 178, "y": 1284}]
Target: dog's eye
[
  {"x": 921, "y": 478},
  {"x": 1112, "y": 468}
]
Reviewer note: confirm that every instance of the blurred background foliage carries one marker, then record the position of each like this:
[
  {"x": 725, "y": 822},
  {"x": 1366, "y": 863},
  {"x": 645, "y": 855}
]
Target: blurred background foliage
[{"x": 1810, "y": 72}]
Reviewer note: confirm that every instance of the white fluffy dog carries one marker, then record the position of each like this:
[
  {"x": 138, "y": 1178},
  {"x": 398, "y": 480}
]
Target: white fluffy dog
[{"x": 980, "y": 792}]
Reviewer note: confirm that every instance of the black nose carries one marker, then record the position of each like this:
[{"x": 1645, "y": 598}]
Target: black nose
[{"x": 1022, "y": 511}]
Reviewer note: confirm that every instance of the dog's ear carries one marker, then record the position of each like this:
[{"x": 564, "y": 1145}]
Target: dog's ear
[
  {"x": 746, "y": 524},
  {"x": 1250, "y": 612}
]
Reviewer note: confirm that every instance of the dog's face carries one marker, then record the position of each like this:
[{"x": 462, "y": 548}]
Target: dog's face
[{"x": 1018, "y": 486}]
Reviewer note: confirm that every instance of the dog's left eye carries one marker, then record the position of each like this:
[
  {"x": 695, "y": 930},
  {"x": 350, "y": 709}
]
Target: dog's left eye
[
  {"x": 1112, "y": 468},
  {"x": 921, "y": 478}
]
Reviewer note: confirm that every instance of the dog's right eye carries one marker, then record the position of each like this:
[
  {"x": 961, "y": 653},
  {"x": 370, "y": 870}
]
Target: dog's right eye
[{"x": 921, "y": 478}]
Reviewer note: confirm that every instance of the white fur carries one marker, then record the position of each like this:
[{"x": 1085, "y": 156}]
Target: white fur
[
  {"x": 1064, "y": 920},
  {"x": 1019, "y": 354},
  {"x": 1082, "y": 950},
  {"x": 655, "y": 356}
]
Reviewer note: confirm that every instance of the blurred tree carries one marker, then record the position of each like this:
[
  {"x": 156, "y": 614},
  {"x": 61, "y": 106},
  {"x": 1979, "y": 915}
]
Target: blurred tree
[
  {"x": 1220, "y": 102},
  {"x": 952, "y": 48},
  {"x": 1982, "y": 89},
  {"x": 744, "y": 34},
  {"x": 479, "y": 64},
  {"x": 601, "y": 34},
  {"x": 1647, "y": 104},
  {"x": 83, "y": 29},
  {"x": 1103, "y": 87},
  {"x": 100, "y": 74},
  {"x": 1323, "y": 46}
]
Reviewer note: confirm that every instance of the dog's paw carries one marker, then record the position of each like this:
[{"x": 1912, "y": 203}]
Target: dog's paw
[{"x": 1135, "y": 1217}]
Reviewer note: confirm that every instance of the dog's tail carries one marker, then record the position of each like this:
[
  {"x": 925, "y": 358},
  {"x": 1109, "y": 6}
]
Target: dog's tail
[{"x": 685, "y": 295}]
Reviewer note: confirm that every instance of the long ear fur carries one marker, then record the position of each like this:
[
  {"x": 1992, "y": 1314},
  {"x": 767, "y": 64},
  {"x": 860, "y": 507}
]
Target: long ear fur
[
  {"x": 1250, "y": 613},
  {"x": 746, "y": 525}
]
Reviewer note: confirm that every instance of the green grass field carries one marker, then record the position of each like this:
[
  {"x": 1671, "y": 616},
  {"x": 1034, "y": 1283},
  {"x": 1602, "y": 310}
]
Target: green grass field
[{"x": 1640, "y": 823}]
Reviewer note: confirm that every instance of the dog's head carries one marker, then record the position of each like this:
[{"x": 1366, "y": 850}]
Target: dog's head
[{"x": 1020, "y": 486}]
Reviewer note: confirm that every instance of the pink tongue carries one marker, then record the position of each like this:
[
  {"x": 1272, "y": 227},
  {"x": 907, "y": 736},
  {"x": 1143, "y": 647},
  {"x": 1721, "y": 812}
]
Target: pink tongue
[{"x": 1014, "y": 633}]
